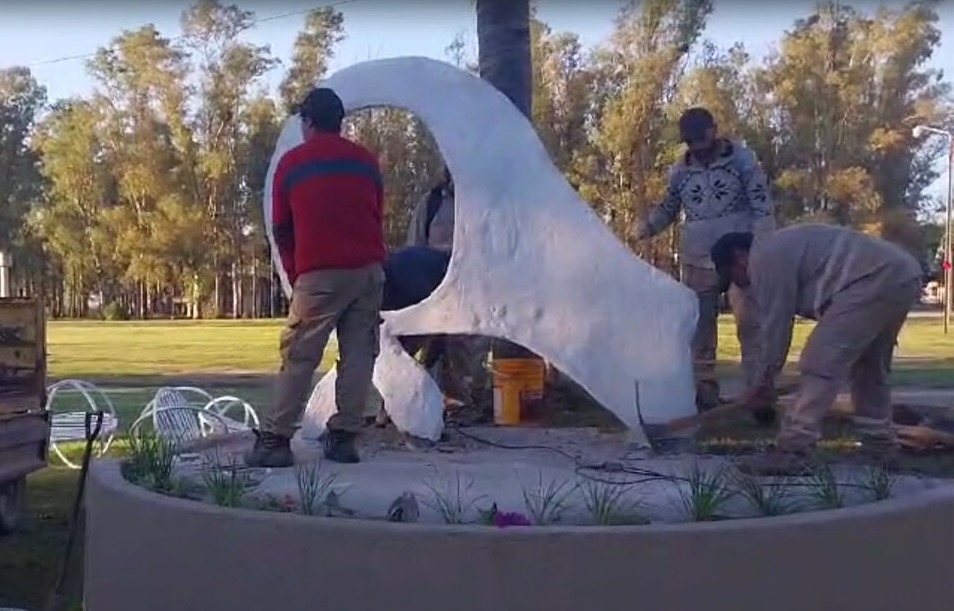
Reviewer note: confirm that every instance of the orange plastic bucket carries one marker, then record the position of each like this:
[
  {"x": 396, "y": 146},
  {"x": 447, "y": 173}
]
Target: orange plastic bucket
[{"x": 518, "y": 390}]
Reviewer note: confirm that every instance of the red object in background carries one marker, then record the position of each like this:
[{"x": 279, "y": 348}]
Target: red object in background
[{"x": 947, "y": 265}]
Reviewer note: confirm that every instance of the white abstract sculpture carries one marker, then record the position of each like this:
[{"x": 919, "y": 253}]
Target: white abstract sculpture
[{"x": 532, "y": 263}]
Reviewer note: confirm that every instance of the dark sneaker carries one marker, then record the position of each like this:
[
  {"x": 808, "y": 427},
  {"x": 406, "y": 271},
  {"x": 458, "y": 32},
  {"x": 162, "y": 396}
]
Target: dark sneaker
[
  {"x": 339, "y": 447},
  {"x": 270, "y": 451}
]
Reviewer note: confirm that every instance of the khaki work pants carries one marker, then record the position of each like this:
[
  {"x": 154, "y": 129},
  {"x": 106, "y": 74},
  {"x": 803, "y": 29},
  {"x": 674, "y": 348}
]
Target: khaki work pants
[
  {"x": 705, "y": 283},
  {"x": 854, "y": 340},
  {"x": 346, "y": 300}
]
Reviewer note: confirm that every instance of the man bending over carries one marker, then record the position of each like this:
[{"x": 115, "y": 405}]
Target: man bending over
[
  {"x": 327, "y": 223},
  {"x": 860, "y": 290}
]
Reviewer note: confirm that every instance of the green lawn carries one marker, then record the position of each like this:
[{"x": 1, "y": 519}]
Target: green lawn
[
  {"x": 131, "y": 359},
  {"x": 125, "y": 351},
  {"x": 238, "y": 357}
]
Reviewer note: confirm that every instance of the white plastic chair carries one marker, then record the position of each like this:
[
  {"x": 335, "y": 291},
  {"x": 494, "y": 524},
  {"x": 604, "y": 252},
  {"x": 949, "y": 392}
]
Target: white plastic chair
[
  {"x": 180, "y": 420},
  {"x": 222, "y": 405},
  {"x": 69, "y": 426},
  {"x": 179, "y": 425}
]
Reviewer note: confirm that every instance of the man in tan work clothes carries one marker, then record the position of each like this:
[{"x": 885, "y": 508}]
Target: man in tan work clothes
[
  {"x": 327, "y": 225},
  {"x": 461, "y": 359},
  {"x": 860, "y": 289},
  {"x": 720, "y": 188}
]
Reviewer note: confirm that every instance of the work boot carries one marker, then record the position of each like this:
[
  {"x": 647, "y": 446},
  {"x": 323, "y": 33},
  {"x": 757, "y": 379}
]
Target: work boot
[
  {"x": 270, "y": 451},
  {"x": 339, "y": 447},
  {"x": 776, "y": 462}
]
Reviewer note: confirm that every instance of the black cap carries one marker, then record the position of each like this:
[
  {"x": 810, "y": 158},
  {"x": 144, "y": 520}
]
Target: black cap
[
  {"x": 694, "y": 123},
  {"x": 323, "y": 109}
]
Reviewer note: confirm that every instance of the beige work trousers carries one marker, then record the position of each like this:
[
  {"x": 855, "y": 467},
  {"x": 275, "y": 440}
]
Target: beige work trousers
[
  {"x": 705, "y": 283},
  {"x": 345, "y": 300},
  {"x": 854, "y": 340}
]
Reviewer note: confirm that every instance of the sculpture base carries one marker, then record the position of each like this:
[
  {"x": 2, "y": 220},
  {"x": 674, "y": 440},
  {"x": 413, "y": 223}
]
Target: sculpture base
[{"x": 293, "y": 562}]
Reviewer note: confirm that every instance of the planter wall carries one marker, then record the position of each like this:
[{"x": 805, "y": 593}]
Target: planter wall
[{"x": 153, "y": 553}]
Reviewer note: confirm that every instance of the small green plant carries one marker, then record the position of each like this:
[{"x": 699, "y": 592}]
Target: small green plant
[
  {"x": 771, "y": 499},
  {"x": 825, "y": 488},
  {"x": 452, "y": 499},
  {"x": 707, "y": 494},
  {"x": 547, "y": 501},
  {"x": 150, "y": 463},
  {"x": 879, "y": 483},
  {"x": 607, "y": 504},
  {"x": 226, "y": 483},
  {"x": 313, "y": 487}
]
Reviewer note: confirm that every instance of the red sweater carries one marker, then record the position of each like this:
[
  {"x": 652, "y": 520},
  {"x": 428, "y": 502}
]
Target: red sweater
[{"x": 327, "y": 207}]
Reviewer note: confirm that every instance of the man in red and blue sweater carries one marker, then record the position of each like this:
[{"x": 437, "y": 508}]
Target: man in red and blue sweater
[{"x": 327, "y": 223}]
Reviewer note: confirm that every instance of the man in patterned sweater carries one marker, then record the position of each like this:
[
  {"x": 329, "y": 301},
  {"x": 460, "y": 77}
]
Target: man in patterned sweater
[{"x": 719, "y": 188}]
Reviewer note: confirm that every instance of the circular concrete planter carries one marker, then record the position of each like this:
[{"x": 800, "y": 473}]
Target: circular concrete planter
[{"x": 149, "y": 552}]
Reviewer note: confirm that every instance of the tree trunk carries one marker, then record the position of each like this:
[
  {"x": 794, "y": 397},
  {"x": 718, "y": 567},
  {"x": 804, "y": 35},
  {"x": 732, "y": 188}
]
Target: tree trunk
[
  {"x": 504, "y": 58},
  {"x": 503, "y": 44}
]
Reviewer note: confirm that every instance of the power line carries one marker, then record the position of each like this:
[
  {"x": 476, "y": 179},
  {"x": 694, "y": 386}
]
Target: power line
[{"x": 252, "y": 23}]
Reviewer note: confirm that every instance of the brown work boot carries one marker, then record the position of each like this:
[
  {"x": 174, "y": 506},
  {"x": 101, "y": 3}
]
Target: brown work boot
[
  {"x": 339, "y": 447},
  {"x": 270, "y": 451},
  {"x": 777, "y": 462}
]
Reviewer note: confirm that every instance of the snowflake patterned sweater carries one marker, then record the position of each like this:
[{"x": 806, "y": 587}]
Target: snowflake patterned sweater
[{"x": 727, "y": 195}]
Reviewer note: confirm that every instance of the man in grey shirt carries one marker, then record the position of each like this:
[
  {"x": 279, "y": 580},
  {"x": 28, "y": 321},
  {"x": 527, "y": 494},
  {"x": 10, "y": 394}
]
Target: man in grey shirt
[
  {"x": 860, "y": 289},
  {"x": 718, "y": 187}
]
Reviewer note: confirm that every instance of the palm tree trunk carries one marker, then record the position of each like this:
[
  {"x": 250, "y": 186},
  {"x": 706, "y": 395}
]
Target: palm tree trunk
[{"x": 503, "y": 46}]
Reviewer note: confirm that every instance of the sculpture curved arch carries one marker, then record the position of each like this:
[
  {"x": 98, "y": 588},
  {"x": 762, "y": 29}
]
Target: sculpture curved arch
[{"x": 532, "y": 263}]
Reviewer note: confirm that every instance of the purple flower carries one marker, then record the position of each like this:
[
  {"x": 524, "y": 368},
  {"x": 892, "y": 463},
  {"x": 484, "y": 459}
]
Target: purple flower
[{"x": 503, "y": 519}]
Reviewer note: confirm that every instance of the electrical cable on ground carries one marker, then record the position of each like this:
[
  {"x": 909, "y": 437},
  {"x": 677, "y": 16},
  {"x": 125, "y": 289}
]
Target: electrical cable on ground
[{"x": 644, "y": 475}]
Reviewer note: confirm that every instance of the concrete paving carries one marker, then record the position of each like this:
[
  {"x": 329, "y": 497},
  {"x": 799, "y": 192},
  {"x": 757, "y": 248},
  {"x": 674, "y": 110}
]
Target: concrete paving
[{"x": 456, "y": 479}]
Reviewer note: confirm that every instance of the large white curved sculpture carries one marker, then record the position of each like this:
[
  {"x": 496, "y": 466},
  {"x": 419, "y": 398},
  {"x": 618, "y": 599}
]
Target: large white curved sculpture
[{"x": 532, "y": 263}]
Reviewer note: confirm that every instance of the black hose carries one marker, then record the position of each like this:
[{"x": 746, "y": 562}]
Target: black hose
[{"x": 94, "y": 425}]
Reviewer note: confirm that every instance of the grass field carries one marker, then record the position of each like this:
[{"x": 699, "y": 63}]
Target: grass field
[
  {"x": 131, "y": 359},
  {"x": 239, "y": 357}
]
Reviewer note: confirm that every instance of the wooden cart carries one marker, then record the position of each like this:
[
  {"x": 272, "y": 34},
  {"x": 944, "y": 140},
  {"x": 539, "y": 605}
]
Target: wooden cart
[{"x": 24, "y": 420}]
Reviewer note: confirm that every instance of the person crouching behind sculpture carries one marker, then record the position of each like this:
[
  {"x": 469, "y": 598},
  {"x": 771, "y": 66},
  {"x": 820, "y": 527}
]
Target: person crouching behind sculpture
[
  {"x": 720, "y": 187},
  {"x": 462, "y": 358},
  {"x": 327, "y": 225},
  {"x": 860, "y": 289}
]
